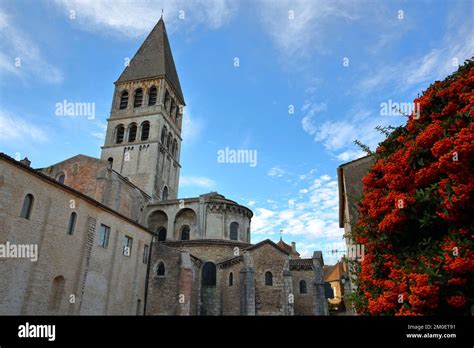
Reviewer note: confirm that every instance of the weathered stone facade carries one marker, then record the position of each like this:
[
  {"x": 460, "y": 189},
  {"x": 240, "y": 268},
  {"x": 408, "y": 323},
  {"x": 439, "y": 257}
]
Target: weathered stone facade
[
  {"x": 72, "y": 274},
  {"x": 113, "y": 238},
  {"x": 242, "y": 285}
]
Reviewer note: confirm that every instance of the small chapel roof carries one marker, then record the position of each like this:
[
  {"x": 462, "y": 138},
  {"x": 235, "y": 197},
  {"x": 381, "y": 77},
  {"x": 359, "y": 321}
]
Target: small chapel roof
[{"x": 288, "y": 248}]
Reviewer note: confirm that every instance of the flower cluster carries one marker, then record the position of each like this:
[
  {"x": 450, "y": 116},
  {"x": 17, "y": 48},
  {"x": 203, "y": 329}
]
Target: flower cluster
[{"x": 416, "y": 216}]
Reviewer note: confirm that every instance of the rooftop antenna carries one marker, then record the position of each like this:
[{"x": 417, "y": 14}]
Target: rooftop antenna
[{"x": 162, "y": 13}]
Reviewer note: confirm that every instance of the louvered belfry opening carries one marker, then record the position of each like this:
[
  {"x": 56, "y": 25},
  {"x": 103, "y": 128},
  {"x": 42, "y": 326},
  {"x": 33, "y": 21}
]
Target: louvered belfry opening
[
  {"x": 145, "y": 130},
  {"x": 132, "y": 132},
  {"x": 138, "y": 98},
  {"x": 123, "y": 100},
  {"x": 152, "y": 96},
  {"x": 120, "y": 134}
]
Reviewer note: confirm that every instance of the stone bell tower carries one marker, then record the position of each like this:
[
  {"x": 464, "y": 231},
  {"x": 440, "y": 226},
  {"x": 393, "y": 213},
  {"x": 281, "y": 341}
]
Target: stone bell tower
[{"x": 143, "y": 139}]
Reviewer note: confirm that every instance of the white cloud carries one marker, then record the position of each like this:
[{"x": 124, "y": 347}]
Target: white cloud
[
  {"x": 21, "y": 56},
  {"x": 311, "y": 217},
  {"x": 14, "y": 128},
  {"x": 98, "y": 135},
  {"x": 192, "y": 127},
  {"x": 276, "y": 171},
  {"x": 136, "y": 18},
  {"x": 337, "y": 136},
  {"x": 307, "y": 30},
  {"x": 350, "y": 155},
  {"x": 456, "y": 46},
  {"x": 197, "y": 181}
]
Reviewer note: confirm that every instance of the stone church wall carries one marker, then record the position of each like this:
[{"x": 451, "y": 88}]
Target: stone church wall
[
  {"x": 268, "y": 299},
  {"x": 67, "y": 264},
  {"x": 230, "y": 295},
  {"x": 91, "y": 177},
  {"x": 163, "y": 290},
  {"x": 304, "y": 303}
]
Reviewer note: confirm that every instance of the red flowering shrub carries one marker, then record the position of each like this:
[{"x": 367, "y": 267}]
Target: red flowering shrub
[{"x": 417, "y": 212}]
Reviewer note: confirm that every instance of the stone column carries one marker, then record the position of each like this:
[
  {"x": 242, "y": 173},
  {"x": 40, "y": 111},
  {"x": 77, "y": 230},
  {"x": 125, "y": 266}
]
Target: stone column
[
  {"x": 247, "y": 286},
  {"x": 320, "y": 302},
  {"x": 288, "y": 295},
  {"x": 185, "y": 285}
]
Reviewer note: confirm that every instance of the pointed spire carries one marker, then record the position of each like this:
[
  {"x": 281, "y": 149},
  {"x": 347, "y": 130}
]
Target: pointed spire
[{"x": 154, "y": 59}]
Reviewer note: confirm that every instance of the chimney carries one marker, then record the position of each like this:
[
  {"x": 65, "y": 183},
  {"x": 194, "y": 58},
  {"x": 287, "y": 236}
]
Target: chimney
[
  {"x": 25, "y": 161},
  {"x": 293, "y": 247}
]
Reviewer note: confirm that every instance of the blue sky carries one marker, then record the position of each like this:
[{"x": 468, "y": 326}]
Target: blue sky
[{"x": 333, "y": 62}]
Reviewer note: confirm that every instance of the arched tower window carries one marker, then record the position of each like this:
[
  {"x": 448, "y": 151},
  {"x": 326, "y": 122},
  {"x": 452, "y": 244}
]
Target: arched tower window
[
  {"x": 123, "y": 100},
  {"x": 111, "y": 162},
  {"x": 269, "y": 278},
  {"x": 162, "y": 235},
  {"x": 163, "y": 135},
  {"x": 175, "y": 149},
  {"x": 164, "y": 197},
  {"x": 145, "y": 131},
  {"x": 27, "y": 206},
  {"x": 132, "y": 132},
  {"x": 119, "y": 134},
  {"x": 138, "y": 98},
  {"x": 303, "y": 289},
  {"x": 248, "y": 235},
  {"x": 152, "y": 96},
  {"x": 170, "y": 140},
  {"x": 185, "y": 231},
  {"x": 231, "y": 279},
  {"x": 176, "y": 119},
  {"x": 209, "y": 274},
  {"x": 234, "y": 231},
  {"x": 161, "y": 269},
  {"x": 173, "y": 109},
  {"x": 72, "y": 223},
  {"x": 167, "y": 101}
]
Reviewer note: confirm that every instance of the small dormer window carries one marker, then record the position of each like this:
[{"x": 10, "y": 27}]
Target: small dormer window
[{"x": 138, "y": 98}]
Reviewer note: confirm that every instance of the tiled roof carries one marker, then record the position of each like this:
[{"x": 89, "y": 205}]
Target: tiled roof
[
  {"x": 287, "y": 247},
  {"x": 267, "y": 241},
  {"x": 301, "y": 263},
  {"x": 154, "y": 59}
]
